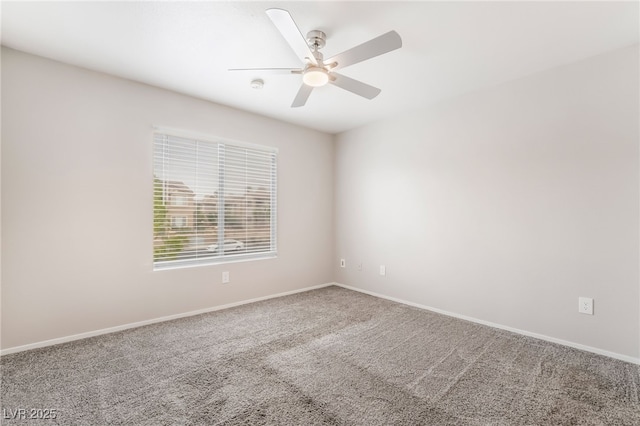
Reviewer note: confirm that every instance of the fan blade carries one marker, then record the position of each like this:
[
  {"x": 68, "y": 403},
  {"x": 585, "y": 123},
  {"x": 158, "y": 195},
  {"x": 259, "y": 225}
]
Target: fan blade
[
  {"x": 302, "y": 96},
  {"x": 370, "y": 49},
  {"x": 354, "y": 86},
  {"x": 271, "y": 70},
  {"x": 289, "y": 30}
]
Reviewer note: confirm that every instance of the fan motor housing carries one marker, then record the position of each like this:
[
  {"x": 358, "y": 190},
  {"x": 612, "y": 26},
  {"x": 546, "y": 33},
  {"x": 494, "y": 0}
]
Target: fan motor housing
[{"x": 316, "y": 39}]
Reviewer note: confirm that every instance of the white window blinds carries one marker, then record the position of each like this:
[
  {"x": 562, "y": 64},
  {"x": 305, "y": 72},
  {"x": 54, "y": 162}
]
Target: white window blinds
[{"x": 212, "y": 201}]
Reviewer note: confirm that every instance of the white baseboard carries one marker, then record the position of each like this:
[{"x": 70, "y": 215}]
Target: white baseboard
[
  {"x": 80, "y": 336},
  {"x": 65, "y": 339},
  {"x": 499, "y": 326}
]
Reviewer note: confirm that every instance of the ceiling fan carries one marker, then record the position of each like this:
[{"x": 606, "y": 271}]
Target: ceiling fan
[{"x": 317, "y": 71}]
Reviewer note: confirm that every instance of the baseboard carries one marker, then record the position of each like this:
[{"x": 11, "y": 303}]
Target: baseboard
[
  {"x": 499, "y": 326},
  {"x": 80, "y": 336}
]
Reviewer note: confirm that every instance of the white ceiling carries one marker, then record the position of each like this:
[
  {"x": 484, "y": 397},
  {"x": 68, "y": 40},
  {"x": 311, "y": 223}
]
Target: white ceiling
[{"x": 449, "y": 48}]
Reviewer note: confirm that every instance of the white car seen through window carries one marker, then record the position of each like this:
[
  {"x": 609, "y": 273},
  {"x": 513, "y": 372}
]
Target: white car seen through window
[{"x": 228, "y": 245}]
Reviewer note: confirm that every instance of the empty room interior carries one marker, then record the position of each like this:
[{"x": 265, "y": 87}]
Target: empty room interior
[{"x": 347, "y": 213}]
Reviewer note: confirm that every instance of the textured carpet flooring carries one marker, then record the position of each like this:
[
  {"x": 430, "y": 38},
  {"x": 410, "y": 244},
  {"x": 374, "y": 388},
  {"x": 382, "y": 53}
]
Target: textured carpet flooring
[{"x": 330, "y": 356}]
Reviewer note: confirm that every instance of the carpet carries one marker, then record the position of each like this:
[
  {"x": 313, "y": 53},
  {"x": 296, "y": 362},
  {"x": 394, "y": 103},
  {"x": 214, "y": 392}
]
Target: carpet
[{"x": 328, "y": 356}]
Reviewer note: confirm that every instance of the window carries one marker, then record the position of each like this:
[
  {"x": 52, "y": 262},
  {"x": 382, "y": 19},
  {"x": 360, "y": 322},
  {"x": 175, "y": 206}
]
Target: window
[
  {"x": 178, "y": 200},
  {"x": 213, "y": 201},
  {"x": 178, "y": 222}
]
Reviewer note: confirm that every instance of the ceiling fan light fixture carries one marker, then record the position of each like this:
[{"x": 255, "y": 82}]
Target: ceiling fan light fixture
[{"x": 315, "y": 77}]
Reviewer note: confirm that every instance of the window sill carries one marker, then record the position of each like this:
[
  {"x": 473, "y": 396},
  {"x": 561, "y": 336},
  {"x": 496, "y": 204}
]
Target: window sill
[{"x": 192, "y": 263}]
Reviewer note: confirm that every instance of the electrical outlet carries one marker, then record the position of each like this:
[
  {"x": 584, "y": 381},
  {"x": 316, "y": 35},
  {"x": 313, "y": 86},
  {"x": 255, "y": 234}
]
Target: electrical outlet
[
  {"x": 585, "y": 305},
  {"x": 360, "y": 267},
  {"x": 383, "y": 270},
  {"x": 343, "y": 263},
  {"x": 225, "y": 277}
]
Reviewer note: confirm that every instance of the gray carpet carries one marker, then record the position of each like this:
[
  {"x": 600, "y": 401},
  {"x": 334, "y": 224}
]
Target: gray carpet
[{"x": 330, "y": 356}]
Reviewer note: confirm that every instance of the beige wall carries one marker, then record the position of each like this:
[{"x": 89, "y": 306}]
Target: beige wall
[
  {"x": 505, "y": 205},
  {"x": 77, "y": 203}
]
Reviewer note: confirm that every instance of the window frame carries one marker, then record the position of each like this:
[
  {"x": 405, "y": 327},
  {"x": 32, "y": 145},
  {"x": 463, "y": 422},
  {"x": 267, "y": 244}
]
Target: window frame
[{"x": 272, "y": 252}]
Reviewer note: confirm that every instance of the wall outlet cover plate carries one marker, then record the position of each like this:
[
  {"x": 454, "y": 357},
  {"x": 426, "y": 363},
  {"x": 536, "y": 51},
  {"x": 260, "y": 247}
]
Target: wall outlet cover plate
[{"x": 585, "y": 305}]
